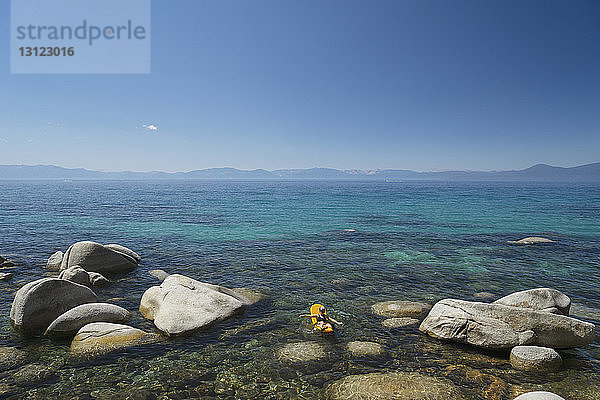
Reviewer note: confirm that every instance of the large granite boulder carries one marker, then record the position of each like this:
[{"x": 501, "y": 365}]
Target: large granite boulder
[
  {"x": 392, "y": 386},
  {"x": 535, "y": 358},
  {"x": 496, "y": 326},
  {"x": 39, "y": 303},
  {"x": 79, "y": 275},
  {"x": 102, "y": 337},
  {"x": 531, "y": 240},
  {"x": 126, "y": 251},
  {"x": 94, "y": 257},
  {"x": 181, "y": 304},
  {"x": 74, "y": 319},
  {"x": 542, "y": 299},
  {"x": 54, "y": 261},
  {"x": 400, "y": 308}
]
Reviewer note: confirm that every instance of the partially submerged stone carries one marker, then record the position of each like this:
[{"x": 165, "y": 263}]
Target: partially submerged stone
[
  {"x": 302, "y": 352},
  {"x": 103, "y": 337},
  {"x": 400, "y": 308},
  {"x": 34, "y": 374},
  {"x": 253, "y": 296},
  {"x": 531, "y": 240},
  {"x": 11, "y": 357},
  {"x": 94, "y": 257},
  {"x": 181, "y": 304},
  {"x": 542, "y": 299},
  {"x": 76, "y": 318},
  {"x": 539, "y": 396},
  {"x": 5, "y": 276},
  {"x": 535, "y": 358},
  {"x": 159, "y": 274},
  {"x": 392, "y": 386},
  {"x": 79, "y": 275},
  {"x": 125, "y": 250},
  {"x": 54, "y": 261},
  {"x": 496, "y": 326},
  {"x": 39, "y": 303}
]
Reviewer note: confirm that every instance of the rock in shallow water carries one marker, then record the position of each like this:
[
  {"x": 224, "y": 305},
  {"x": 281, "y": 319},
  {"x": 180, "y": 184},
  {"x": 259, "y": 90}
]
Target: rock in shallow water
[
  {"x": 399, "y": 308},
  {"x": 399, "y": 322},
  {"x": 33, "y": 375},
  {"x": 94, "y": 257},
  {"x": 103, "y": 337},
  {"x": 79, "y": 275},
  {"x": 542, "y": 299},
  {"x": 365, "y": 349},
  {"x": 74, "y": 319},
  {"x": 39, "y": 303},
  {"x": 392, "y": 386},
  {"x": 535, "y": 358},
  {"x": 159, "y": 274},
  {"x": 11, "y": 357},
  {"x": 302, "y": 352},
  {"x": 126, "y": 251},
  {"x": 54, "y": 261},
  {"x": 496, "y": 326},
  {"x": 181, "y": 304},
  {"x": 531, "y": 240},
  {"x": 5, "y": 276}
]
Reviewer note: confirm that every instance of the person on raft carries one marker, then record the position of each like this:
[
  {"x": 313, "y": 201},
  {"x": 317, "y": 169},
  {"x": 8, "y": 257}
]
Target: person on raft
[{"x": 323, "y": 320}]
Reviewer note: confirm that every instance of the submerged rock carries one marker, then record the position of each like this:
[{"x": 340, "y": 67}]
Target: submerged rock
[
  {"x": 484, "y": 295},
  {"x": 11, "y": 357},
  {"x": 399, "y": 322},
  {"x": 399, "y": 308},
  {"x": 158, "y": 273},
  {"x": 39, "y": 303},
  {"x": 542, "y": 299},
  {"x": 54, "y": 261},
  {"x": 496, "y": 326},
  {"x": 531, "y": 240},
  {"x": 74, "y": 319},
  {"x": 33, "y": 375},
  {"x": 94, "y": 257},
  {"x": 181, "y": 304},
  {"x": 539, "y": 396},
  {"x": 392, "y": 385},
  {"x": 103, "y": 337},
  {"x": 364, "y": 349},
  {"x": 302, "y": 352},
  {"x": 253, "y": 296},
  {"x": 535, "y": 358}
]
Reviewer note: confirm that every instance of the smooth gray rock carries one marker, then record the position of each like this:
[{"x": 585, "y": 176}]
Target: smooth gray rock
[
  {"x": 400, "y": 308},
  {"x": 97, "y": 279},
  {"x": 399, "y": 322},
  {"x": 76, "y": 274},
  {"x": 535, "y": 358},
  {"x": 5, "y": 276},
  {"x": 539, "y": 396},
  {"x": 392, "y": 386},
  {"x": 39, "y": 303},
  {"x": 94, "y": 257},
  {"x": 365, "y": 349},
  {"x": 126, "y": 251},
  {"x": 542, "y": 299},
  {"x": 302, "y": 352},
  {"x": 531, "y": 240},
  {"x": 496, "y": 326},
  {"x": 79, "y": 275},
  {"x": 74, "y": 319},
  {"x": 55, "y": 261},
  {"x": 159, "y": 274},
  {"x": 181, "y": 304},
  {"x": 102, "y": 337}
]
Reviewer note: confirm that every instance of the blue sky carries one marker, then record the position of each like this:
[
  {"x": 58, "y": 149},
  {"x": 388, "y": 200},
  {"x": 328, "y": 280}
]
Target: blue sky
[{"x": 423, "y": 85}]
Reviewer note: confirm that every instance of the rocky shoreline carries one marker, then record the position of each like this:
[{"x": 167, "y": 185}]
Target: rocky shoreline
[{"x": 529, "y": 325}]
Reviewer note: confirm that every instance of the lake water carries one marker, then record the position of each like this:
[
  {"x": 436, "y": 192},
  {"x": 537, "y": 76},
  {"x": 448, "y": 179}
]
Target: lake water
[{"x": 345, "y": 244}]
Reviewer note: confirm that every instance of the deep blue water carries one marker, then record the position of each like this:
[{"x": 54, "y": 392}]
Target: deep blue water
[{"x": 410, "y": 240}]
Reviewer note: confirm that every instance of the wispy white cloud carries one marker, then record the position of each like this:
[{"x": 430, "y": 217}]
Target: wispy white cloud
[
  {"x": 150, "y": 127},
  {"x": 3, "y": 140}
]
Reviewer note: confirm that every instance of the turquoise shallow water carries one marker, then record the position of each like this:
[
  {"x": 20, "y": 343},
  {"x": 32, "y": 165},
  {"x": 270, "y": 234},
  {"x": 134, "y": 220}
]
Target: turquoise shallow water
[{"x": 411, "y": 241}]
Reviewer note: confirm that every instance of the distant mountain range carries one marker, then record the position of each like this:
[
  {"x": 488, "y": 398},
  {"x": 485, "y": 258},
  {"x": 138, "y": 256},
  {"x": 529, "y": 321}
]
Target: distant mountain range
[{"x": 539, "y": 172}]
